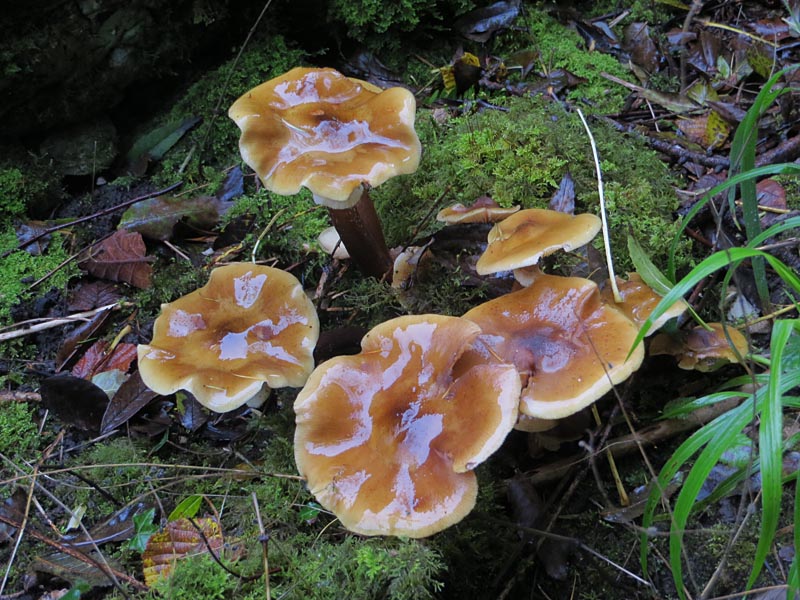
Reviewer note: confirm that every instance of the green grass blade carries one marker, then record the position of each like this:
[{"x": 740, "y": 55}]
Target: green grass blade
[
  {"x": 790, "y": 223},
  {"x": 771, "y": 448},
  {"x": 777, "y": 169},
  {"x": 715, "y": 262}
]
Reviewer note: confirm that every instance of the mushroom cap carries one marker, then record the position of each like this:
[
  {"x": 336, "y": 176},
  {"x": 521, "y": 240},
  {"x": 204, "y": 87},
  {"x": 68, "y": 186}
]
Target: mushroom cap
[
  {"x": 701, "y": 349},
  {"x": 249, "y": 325},
  {"x": 523, "y": 238},
  {"x": 387, "y": 438},
  {"x": 483, "y": 210},
  {"x": 330, "y": 133},
  {"x": 568, "y": 346},
  {"x": 639, "y": 300}
]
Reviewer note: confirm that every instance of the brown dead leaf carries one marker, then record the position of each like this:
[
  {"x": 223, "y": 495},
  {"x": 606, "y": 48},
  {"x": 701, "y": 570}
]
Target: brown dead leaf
[
  {"x": 179, "y": 540},
  {"x": 91, "y": 295},
  {"x": 131, "y": 397},
  {"x": 96, "y": 360},
  {"x": 121, "y": 257}
]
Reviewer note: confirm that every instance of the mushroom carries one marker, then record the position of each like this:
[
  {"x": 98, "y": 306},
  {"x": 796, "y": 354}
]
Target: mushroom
[
  {"x": 387, "y": 439},
  {"x": 523, "y": 238},
  {"x": 483, "y": 210},
  {"x": 639, "y": 300},
  {"x": 569, "y": 347},
  {"x": 249, "y": 325},
  {"x": 336, "y": 136},
  {"x": 702, "y": 349}
]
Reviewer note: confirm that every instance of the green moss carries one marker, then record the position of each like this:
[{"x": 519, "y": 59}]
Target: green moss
[
  {"x": 18, "y": 432},
  {"x": 560, "y": 47},
  {"x": 20, "y": 269},
  {"x": 519, "y": 157},
  {"x": 369, "y": 21}
]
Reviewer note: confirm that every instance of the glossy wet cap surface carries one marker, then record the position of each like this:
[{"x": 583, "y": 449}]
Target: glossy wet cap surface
[
  {"x": 249, "y": 325},
  {"x": 387, "y": 438},
  {"x": 318, "y": 129}
]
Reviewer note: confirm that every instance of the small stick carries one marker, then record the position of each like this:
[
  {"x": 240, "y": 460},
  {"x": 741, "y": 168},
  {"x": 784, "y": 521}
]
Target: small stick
[
  {"x": 606, "y": 240},
  {"x": 263, "y": 537},
  {"x": 42, "y": 324},
  {"x": 96, "y": 215}
]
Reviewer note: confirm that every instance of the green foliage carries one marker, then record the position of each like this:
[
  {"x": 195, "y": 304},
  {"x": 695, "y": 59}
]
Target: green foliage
[
  {"x": 520, "y": 157},
  {"x": 360, "y": 569},
  {"x": 14, "y": 192},
  {"x": 143, "y": 529},
  {"x": 196, "y": 577},
  {"x": 560, "y": 47},
  {"x": 18, "y": 432},
  {"x": 368, "y": 21},
  {"x": 19, "y": 269}
]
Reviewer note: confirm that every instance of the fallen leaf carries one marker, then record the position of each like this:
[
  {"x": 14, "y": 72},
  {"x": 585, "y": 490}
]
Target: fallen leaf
[
  {"x": 96, "y": 360},
  {"x": 155, "y": 218},
  {"x": 131, "y": 397},
  {"x": 481, "y": 24},
  {"x": 75, "y": 401},
  {"x": 177, "y": 541},
  {"x": 121, "y": 257},
  {"x": 91, "y": 295}
]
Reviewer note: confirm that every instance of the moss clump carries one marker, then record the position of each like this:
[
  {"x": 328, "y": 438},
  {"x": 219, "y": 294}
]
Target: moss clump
[
  {"x": 562, "y": 48},
  {"x": 368, "y": 21},
  {"x": 519, "y": 157},
  {"x": 20, "y": 269},
  {"x": 18, "y": 432}
]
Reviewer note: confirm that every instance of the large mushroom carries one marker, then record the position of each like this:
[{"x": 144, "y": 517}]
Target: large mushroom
[
  {"x": 387, "y": 439},
  {"x": 569, "y": 347},
  {"x": 336, "y": 136},
  {"x": 249, "y": 325}
]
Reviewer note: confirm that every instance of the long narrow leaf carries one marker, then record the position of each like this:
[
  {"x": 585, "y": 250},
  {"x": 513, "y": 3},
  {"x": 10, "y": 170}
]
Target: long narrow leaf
[
  {"x": 771, "y": 448},
  {"x": 713, "y": 263},
  {"x": 777, "y": 169}
]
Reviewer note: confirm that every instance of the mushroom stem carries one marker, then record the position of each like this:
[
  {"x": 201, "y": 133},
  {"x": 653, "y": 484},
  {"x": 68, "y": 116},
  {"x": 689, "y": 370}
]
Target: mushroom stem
[{"x": 360, "y": 230}]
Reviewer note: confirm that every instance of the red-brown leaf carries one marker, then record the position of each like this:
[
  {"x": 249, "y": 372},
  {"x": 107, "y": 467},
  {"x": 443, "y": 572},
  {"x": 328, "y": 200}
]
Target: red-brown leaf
[{"x": 121, "y": 258}]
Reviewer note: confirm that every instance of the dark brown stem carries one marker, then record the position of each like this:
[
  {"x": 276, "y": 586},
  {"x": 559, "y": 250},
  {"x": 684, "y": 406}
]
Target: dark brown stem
[{"x": 360, "y": 230}]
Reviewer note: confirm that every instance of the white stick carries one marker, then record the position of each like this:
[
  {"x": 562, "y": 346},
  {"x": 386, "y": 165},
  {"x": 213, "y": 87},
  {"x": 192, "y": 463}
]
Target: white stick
[
  {"x": 606, "y": 240},
  {"x": 42, "y": 324}
]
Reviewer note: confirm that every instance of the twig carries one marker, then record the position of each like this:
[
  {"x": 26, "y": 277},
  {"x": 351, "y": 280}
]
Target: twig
[
  {"x": 263, "y": 537},
  {"x": 37, "y": 325},
  {"x": 606, "y": 240},
  {"x": 96, "y": 215}
]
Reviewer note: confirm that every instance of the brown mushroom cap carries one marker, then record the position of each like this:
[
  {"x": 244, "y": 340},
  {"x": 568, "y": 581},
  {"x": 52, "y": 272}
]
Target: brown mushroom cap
[
  {"x": 483, "y": 210},
  {"x": 387, "y": 438},
  {"x": 567, "y": 344},
  {"x": 701, "y": 349},
  {"x": 319, "y": 129},
  {"x": 639, "y": 300},
  {"x": 249, "y": 325},
  {"x": 524, "y": 237}
]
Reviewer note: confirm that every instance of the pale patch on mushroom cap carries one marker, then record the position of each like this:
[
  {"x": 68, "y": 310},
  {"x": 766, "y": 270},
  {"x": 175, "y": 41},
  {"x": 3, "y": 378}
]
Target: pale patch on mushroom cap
[
  {"x": 483, "y": 210},
  {"x": 387, "y": 438},
  {"x": 330, "y": 133},
  {"x": 523, "y": 238},
  {"x": 701, "y": 349},
  {"x": 569, "y": 347},
  {"x": 639, "y": 300},
  {"x": 249, "y": 325}
]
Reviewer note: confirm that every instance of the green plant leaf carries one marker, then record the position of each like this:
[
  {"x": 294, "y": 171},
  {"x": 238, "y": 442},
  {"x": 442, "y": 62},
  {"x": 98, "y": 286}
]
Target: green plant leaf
[
  {"x": 143, "y": 528},
  {"x": 770, "y": 447},
  {"x": 649, "y": 273},
  {"x": 187, "y": 508}
]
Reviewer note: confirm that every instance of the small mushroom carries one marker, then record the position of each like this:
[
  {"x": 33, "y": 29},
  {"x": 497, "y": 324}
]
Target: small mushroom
[
  {"x": 524, "y": 237},
  {"x": 483, "y": 210},
  {"x": 569, "y": 347},
  {"x": 331, "y": 243},
  {"x": 639, "y": 300},
  {"x": 249, "y": 325},
  {"x": 336, "y": 136},
  {"x": 387, "y": 439},
  {"x": 702, "y": 349}
]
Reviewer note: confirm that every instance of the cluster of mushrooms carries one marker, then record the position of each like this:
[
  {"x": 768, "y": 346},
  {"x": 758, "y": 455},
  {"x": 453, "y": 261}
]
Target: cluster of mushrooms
[{"x": 388, "y": 439}]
